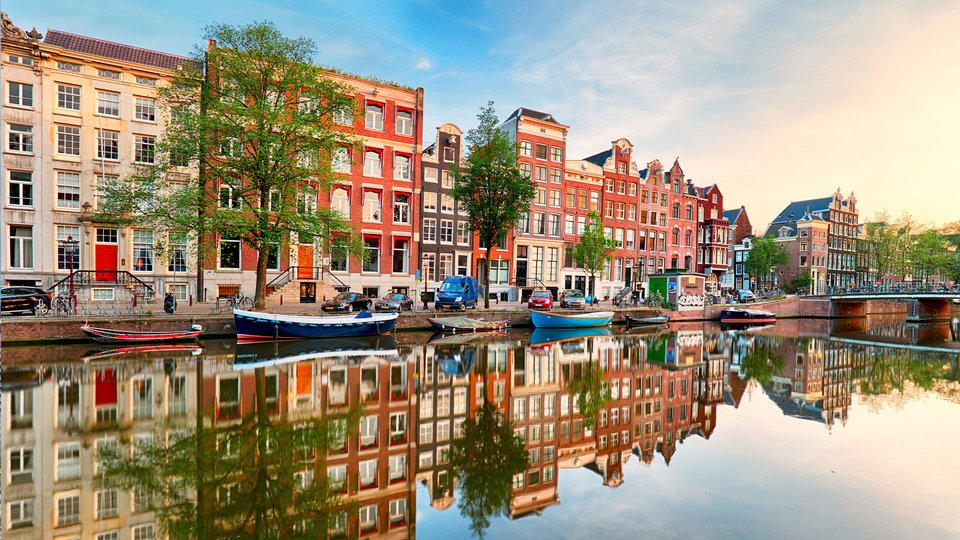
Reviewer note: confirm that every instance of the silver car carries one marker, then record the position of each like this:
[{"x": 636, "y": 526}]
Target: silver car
[{"x": 572, "y": 298}]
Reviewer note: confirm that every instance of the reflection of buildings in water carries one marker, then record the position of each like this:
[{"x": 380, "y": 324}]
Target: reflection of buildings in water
[{"x": 52, "y": 432}]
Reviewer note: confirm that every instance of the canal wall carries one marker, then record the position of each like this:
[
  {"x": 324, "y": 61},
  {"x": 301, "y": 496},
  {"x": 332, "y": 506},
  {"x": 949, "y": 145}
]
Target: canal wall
[{"x": 26, "y": 330}]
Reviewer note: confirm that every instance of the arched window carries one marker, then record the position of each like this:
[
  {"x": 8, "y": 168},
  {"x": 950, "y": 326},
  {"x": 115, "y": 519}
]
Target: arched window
[
  {"x": 371, "y": 205},
  {"x": 676, "y": 210},
  {"x": 372, "y": 164},
  {"x": 340, "y": 201}
]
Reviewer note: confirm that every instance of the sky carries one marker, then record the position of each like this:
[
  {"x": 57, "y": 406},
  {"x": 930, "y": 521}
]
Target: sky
[{"x": 773, "y": 101}]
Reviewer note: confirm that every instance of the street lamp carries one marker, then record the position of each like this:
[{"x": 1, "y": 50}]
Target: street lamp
[{"x": 70, "y": 247}]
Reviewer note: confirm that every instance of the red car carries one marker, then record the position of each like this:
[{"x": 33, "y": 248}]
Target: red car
[{"x": 540, "y": 299}]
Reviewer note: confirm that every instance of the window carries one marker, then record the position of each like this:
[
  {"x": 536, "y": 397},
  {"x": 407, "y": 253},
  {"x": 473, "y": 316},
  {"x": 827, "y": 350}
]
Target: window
[
  {"x": 622, "y": 168},
  {"x": 20, "y": 138},
  {"x": 371, "y": 245},
  {"x": 115, "y": 75},
  {"x": 230, "y": 253},
  {"x": 107, "y": 504},
  {"x": 144, "y": 148},
  {"x": 446, "y": 180},
  {"x": 67, "y": 66},
  {"x": 371, "y": 205},
  {"x": 541, "y": 174},
  {"x": 429, "y": 230},
  {"x": 68, "y": 509},
  {"x": 500, "y": 272},
  {"x": 68, "y": 461},
  {"x": 526, "y": 169},
  {"x": 374, "y": 118},
  {"x": 340, "y": 201},
  {"x": 556, "y": 176},
  {"x": 231, "y": 147},
  {"x": 21, "y": 514},
  {"x": 553, "y": 263},
  {"x": 142, "y": 250},
  {"x": 446, "y": 231},
  {"x": 538, "y": 224},
  {"x": 553, "y": 226},
  {"x": 526, "y": 148},
  {"x": 401, "y": 168},
  {"x": 144, "y": 532},
  {"x": 429, "y": 174},
  {"x": 21, "y": 247},
  {"x": 428, "y": 266},
  {"x": 372, "y": 164},
  {"x": 608, "y": 209},
  {"x": 341, "y": 159},
  {"x": 446, "y": 267},
  {"x": 555, "y": 198},
  {"x": 368, "y": 475},
  {"x": 621, "y": 187},
  {"x": 20, "y": 465},
  {"x": 343, "y": 116},
  {"x": 401, "y": 255},
  {"x": 463, "y": 234},
  {"x": 556, "y": 154},
  {"x": 429, "y": 201},
  {"x": 20, "y": 94},
  {"x": 541, "y": 196},
  {"x": 621, "y": 207},
  {"x": 631, "y": 212},
  {"x": 108, "y": 144},
  {"x": 68, "y": 190},
  {"x": 68, "y": 140},
  {"x": 229, "y": 196},
  {"x": 446, "y": 204},
  {"x": 68, "y": 97},
  {"x": 541, "y": 151},
  {"x": 108, "y": 103},
  {"x": 307, "y": 201},
  {"x": 404, "y": 123}
]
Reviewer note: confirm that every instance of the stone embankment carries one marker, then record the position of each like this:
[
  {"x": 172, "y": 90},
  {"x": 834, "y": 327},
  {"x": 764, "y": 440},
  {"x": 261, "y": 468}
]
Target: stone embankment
[{"x": 26, "y": 330}]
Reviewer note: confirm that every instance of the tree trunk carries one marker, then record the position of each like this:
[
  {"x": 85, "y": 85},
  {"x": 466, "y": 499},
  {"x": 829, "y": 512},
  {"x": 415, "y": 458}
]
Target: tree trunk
[
  {"x": 593, "y": 286},
  {"x": 260, "y": 296},
  {"x": 486, "y": 278}
]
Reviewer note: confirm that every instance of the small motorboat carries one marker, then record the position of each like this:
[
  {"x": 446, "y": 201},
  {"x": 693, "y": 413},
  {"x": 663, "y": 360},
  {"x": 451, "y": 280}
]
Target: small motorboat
[
  {"x": 746, "y": 316},
  {"x": 660, "y": 319},
  {"x": 545, "y": 319},
  {"x": 252, "y": 325},
  {"x": 108, "y": 335},
  {"x": 466, "y": 324}
]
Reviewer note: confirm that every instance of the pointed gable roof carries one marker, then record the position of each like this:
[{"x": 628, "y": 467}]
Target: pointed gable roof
[
  {"x": 732, "y": 215},
  {"x": 600, "y": 158},
  {"x": 530, "y": 113},
  {"x": 796, "y": 210},
  {"x": 116, "y": 51}
]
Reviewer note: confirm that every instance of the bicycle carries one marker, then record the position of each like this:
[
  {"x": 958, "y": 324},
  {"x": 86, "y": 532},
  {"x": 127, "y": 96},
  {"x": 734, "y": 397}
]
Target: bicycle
[
  {"x": 61, "y": 306},
  {"x": 233, "y": 301}
]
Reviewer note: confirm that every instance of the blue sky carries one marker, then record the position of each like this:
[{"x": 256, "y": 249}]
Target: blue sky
[{"x": 774, "y": 101}]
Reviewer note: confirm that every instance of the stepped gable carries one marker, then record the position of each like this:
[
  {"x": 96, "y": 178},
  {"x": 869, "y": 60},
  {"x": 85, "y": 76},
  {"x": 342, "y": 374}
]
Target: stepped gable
[{"x": 116, "y": 51}]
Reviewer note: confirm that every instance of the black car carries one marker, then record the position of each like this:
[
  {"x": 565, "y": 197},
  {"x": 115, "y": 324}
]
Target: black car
[
  {"x": 22, "y": 299},
  {"x": 347, "y": 301},
  {"x": 395, "y": 302}
]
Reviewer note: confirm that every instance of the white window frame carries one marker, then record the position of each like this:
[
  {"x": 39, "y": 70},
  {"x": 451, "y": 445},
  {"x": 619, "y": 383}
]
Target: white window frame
[{"x": 108, "y": 104}]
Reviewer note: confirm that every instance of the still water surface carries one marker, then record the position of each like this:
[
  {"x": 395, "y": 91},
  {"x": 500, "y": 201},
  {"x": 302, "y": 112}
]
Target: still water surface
[{"x": 790, "y": 431}]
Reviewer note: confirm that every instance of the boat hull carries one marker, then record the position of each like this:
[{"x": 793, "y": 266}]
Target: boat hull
[
  {"x": 662, "y": 319},
  {"x": 543, "y": 319},
  {"x": 452, "y": 324},
  {"x": 744, "y": 316},
  {"x": 271, "y": 326},
  {"x": 106, "y": 335}
]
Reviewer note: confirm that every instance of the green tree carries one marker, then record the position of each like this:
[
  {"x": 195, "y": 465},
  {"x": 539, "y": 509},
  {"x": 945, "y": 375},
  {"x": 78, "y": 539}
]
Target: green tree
[
  {"x": 594, "y": 250},
  {"x": 802, "y": 281},
  {"x": 762, "y": 363},
  {"x": 592, "y": 393},
  {"x": 485, "y": 459},
  {"x": 490, "y": 186},
  {"x": 881, "y": 245},
  {"x": 930, "y": 255},
  {"x": 766, "y": 256},
  {"x": 253, "y": 117}
]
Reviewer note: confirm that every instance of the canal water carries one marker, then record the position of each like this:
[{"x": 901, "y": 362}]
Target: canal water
[{"x": 803, "y": 429}]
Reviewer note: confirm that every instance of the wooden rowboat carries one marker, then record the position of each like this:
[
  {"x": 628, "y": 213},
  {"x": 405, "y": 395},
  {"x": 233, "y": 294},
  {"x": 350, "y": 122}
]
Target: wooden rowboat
[
  {"x": 253, "y": 325},
  {"x": 466, "y": 325},
  {"x": 661, "y": 319},
  {"x": 108, "y": 335}
]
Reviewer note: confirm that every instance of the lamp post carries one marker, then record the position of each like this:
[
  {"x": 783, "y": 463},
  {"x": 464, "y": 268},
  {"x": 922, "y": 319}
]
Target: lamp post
[{"x": 69, "y": 248}]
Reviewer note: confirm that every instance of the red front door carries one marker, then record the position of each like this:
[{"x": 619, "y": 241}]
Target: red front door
[
  {"x": 106, "y": 255},
  {"x": 305, "y": 262}
]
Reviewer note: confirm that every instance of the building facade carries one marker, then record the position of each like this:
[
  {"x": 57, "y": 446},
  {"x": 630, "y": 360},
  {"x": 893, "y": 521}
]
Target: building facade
[
  {"x": 684, "y": 200},
  {"x": 805, "y": 242},
  {"x": 713, "y": 238},
  {"x": 582, "y": 184}
]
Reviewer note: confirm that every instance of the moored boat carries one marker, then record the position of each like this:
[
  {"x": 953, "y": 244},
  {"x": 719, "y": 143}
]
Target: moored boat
[
  {"x": 263, "y": 354},
  {"x": 252, "y": 325},
  {"x": 548, "y": 336},
  {"x": 660, "y": 319},
  {"x": 466, "y": 324},
  {"x": 544, "y": 319},
  {"x": 109, "y": 335},
  {"x": 746, "y": 316}
]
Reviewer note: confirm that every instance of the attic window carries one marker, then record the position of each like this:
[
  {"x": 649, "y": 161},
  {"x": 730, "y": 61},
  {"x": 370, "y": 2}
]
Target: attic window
[
  {"x": 146, "y": 81},
  {"x": 106, "y": 74},
  {"x": 67, "y": 66},
  {"x": 16, "y": 59}
]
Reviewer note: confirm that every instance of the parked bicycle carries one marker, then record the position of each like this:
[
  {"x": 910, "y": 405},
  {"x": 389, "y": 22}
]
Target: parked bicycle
[{"x": 233, "y": 301}]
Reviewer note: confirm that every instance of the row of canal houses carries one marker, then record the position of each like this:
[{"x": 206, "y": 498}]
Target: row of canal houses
[
  {"x": 80, "y": 110},
  {"x": 61, "y": 419}
]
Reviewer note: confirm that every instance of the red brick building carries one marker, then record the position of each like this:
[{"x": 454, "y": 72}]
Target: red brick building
[
  {"x": 681, "y": 220},
  {"x": 654, "y": 203},
  {"x": 713, "y": 236}
]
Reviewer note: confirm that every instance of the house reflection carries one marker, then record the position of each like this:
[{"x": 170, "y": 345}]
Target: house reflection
[{"x": 410, "y": 403}]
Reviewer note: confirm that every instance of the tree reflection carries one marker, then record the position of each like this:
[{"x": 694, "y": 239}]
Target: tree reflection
[
  {"x": 591, "y": 393},
  {"x": 262, "y": 477},
  {"x": 485, "y": 459},
  {"x": 762, "y": 364}
]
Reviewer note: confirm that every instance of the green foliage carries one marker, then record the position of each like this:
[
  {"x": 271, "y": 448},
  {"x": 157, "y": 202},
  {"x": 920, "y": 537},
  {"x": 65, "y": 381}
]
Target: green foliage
[
  {"x": 766, "y": 256},
  {"x": 801, "y": 282},
  {"x": 591, "y": 393},
  {"x": 655, "y": 300},
  {"x": 486, "y": 459},
  {"x": 930, "y": 255},
  {"x": 490, "y": 186},
  {"x": 594, "y": 249},
  {"x": 762, "y": 364},
  {"x": 256, "y": 128},
  {"x": 239, "y": 480}
]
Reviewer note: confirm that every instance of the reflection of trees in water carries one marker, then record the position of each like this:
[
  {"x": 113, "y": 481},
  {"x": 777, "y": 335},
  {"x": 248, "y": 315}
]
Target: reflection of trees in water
[
  {"x": 762, "y": 363},
  {"x": 892, "y": 377},
  {"x": 260, "y": 478},
  {"x": 591, "y": 393},
  {"x": 485, "y": 459}
]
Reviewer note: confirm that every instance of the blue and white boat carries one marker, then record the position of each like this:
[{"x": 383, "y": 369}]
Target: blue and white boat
[
  {"x": 544, "y": 319},
  {"x": 252, "y": 325}
]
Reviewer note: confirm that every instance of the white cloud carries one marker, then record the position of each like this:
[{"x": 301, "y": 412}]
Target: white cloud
[{"x": 423, "y": 63}]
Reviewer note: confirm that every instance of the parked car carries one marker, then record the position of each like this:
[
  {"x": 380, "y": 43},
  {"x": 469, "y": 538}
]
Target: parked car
[
  {"x": 457, "y": 292},
  {"x": 540, "y": 299},
  {"x": 573, "y": 298},
  {"x": 347, "y": 301},
  {"x": 395, "y": 302},
  {"x": 22, "y": 299},
  {"x": 746, "y": 295}
]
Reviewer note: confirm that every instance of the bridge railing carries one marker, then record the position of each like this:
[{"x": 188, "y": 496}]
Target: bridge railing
[{"x": 900, "y": 288}]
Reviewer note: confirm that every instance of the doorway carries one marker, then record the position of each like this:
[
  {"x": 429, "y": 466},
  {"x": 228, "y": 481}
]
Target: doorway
[
  {"x": 308, "y": 292},
  {"x": 106, "y": 255},
  {"x": 305, "y": 261}
]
